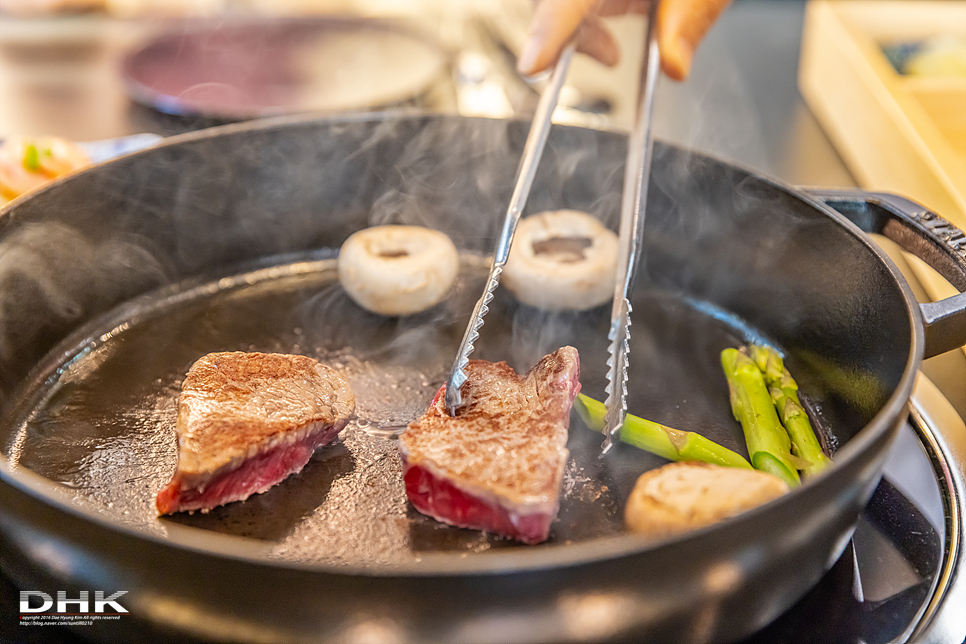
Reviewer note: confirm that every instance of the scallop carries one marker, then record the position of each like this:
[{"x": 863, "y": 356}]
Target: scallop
[{"x": 681, "y": 496}]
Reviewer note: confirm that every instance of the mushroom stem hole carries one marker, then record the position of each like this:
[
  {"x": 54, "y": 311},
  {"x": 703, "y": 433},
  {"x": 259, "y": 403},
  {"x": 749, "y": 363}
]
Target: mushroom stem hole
[{"x": 568, "y": 249}]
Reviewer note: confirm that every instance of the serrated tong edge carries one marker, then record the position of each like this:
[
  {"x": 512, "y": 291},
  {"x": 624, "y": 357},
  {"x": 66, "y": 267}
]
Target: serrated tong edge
[
  {"x": 529, "y": 160},
  {"x": 637, "y": 172}
]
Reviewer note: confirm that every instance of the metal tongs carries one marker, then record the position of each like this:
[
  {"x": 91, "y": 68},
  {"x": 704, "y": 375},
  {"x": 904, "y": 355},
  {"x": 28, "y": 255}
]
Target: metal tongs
[
  {"x": 637, "y": 171},
  {"x": 634, "y": 199},
  {"x": 532, "y": 151}
]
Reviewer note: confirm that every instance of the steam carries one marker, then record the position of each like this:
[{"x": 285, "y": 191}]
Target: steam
[
  {"x": 456, "y": 175},
  {"x": 713, "y": 113},
  {"x": 52, "y": 277},
  {"x": 199, "y": 206}
]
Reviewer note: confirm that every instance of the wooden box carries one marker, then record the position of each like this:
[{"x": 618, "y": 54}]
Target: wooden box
[{"x": 895, "y": 132}]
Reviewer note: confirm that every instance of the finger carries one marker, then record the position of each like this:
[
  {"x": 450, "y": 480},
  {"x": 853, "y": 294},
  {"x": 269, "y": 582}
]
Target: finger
[
  {"x": 596, "y": 40},
  {"x": 681, "y": 25},
  {"x": 552, "y": 25}
]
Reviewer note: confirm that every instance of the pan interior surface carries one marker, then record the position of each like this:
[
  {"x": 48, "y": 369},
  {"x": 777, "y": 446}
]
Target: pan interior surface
[{"x": 100, "y": 419}]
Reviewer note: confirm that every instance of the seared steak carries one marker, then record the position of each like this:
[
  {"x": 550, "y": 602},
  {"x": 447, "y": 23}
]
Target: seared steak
[
  {"x": 496, "y": 466},
  {"x": 248, "y": 420}
]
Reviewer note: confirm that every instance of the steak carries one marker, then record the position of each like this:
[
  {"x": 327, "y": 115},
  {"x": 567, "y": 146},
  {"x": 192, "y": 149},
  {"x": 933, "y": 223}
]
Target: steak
[
  {"x": 246, "y": 421},
  {"x": 498, "y": 464}
]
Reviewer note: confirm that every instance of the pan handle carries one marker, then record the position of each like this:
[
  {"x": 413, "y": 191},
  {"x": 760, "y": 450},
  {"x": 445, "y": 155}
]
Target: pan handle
[{"x": 927, "y": 236}]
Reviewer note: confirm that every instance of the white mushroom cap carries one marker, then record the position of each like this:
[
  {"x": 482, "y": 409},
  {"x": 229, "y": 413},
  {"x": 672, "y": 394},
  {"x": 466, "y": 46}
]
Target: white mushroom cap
[
  {"x": 398, "y": 270},
  {"x": 562, "y": 260}
]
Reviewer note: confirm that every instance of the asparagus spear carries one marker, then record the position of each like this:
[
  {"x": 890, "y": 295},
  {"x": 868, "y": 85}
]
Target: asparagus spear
[
  {"x": 672, "y": 444},
  {"x": 784, "y": 393},
  {"x": 768, "y": 443}
]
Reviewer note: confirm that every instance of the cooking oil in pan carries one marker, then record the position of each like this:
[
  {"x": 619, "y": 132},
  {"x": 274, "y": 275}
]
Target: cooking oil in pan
[
  {"x": 103, "y": 425},
  {"x": 102, "y": 420}
]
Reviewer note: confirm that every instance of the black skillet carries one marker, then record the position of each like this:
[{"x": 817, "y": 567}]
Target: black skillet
[{"x": 226, "y": 239}]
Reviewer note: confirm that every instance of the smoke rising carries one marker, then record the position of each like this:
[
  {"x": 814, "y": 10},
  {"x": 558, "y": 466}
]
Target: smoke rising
[
  {"x": 53, "y": 276},
  {"x": 204, "y": 202}
]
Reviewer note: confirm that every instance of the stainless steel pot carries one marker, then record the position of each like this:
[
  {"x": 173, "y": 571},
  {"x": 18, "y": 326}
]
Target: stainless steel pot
[{"x": 113, "y": 280}]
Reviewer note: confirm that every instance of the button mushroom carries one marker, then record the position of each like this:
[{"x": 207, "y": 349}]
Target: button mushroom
[
  {"x": 397, "y": 270},
  {"x": 562, "y": 260}
]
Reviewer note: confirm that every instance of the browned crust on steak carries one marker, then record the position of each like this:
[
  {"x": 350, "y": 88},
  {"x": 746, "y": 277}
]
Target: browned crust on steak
[
  {"x": 235, "y": 405},
  {"x": 509, "y": 441}
]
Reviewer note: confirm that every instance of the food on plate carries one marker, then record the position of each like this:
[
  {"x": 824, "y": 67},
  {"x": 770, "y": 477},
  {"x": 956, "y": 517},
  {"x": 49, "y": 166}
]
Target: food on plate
[
  {"x": 562, "y": 260},
  {"x": 27, "y": 163},
  {"x": 246, "y": 421},
  {"x": 498, "y": 464},
  {"x": 398, "y": 270},
  {"x": 680, "y": 496},
  {"x": 784, "y": 393},
  {"x": 769, "y": 446},
  {"x": 664, "y": 441}
]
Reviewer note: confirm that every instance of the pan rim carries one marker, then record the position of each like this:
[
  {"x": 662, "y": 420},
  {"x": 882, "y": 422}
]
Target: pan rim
[{"x": 518, "y": 559}]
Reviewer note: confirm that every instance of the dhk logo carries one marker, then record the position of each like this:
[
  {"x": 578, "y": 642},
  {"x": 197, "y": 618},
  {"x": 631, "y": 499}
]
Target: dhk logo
[{"x": 67, "y": 605}]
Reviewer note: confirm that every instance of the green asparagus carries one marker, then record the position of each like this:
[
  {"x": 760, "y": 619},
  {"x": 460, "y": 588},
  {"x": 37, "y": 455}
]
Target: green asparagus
[
  {"x": 784, "y": 393},
  {"x": 768, "y": 443},
  {"x": 672, "y": 444}
]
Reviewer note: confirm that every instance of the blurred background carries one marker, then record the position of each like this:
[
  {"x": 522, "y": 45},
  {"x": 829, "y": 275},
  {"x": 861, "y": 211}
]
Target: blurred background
[{"x": 825, "y": 93}]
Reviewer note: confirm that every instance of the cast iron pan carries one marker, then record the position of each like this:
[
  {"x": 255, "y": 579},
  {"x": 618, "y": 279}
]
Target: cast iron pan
[
  {"x": 226, "y": 240},
  {"x": 103, "y": 423}
]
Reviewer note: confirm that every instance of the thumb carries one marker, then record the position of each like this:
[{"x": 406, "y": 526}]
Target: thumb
[{"x": 681, "y": 25}]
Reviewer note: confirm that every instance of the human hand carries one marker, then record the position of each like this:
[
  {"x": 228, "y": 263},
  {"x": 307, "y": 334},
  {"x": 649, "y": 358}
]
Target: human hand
[{"x": 681, "y": 24}]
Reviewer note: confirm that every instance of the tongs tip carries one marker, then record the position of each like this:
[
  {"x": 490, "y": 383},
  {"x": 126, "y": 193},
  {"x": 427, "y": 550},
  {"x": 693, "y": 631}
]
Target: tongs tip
[{"x": 633, "y": 205}]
